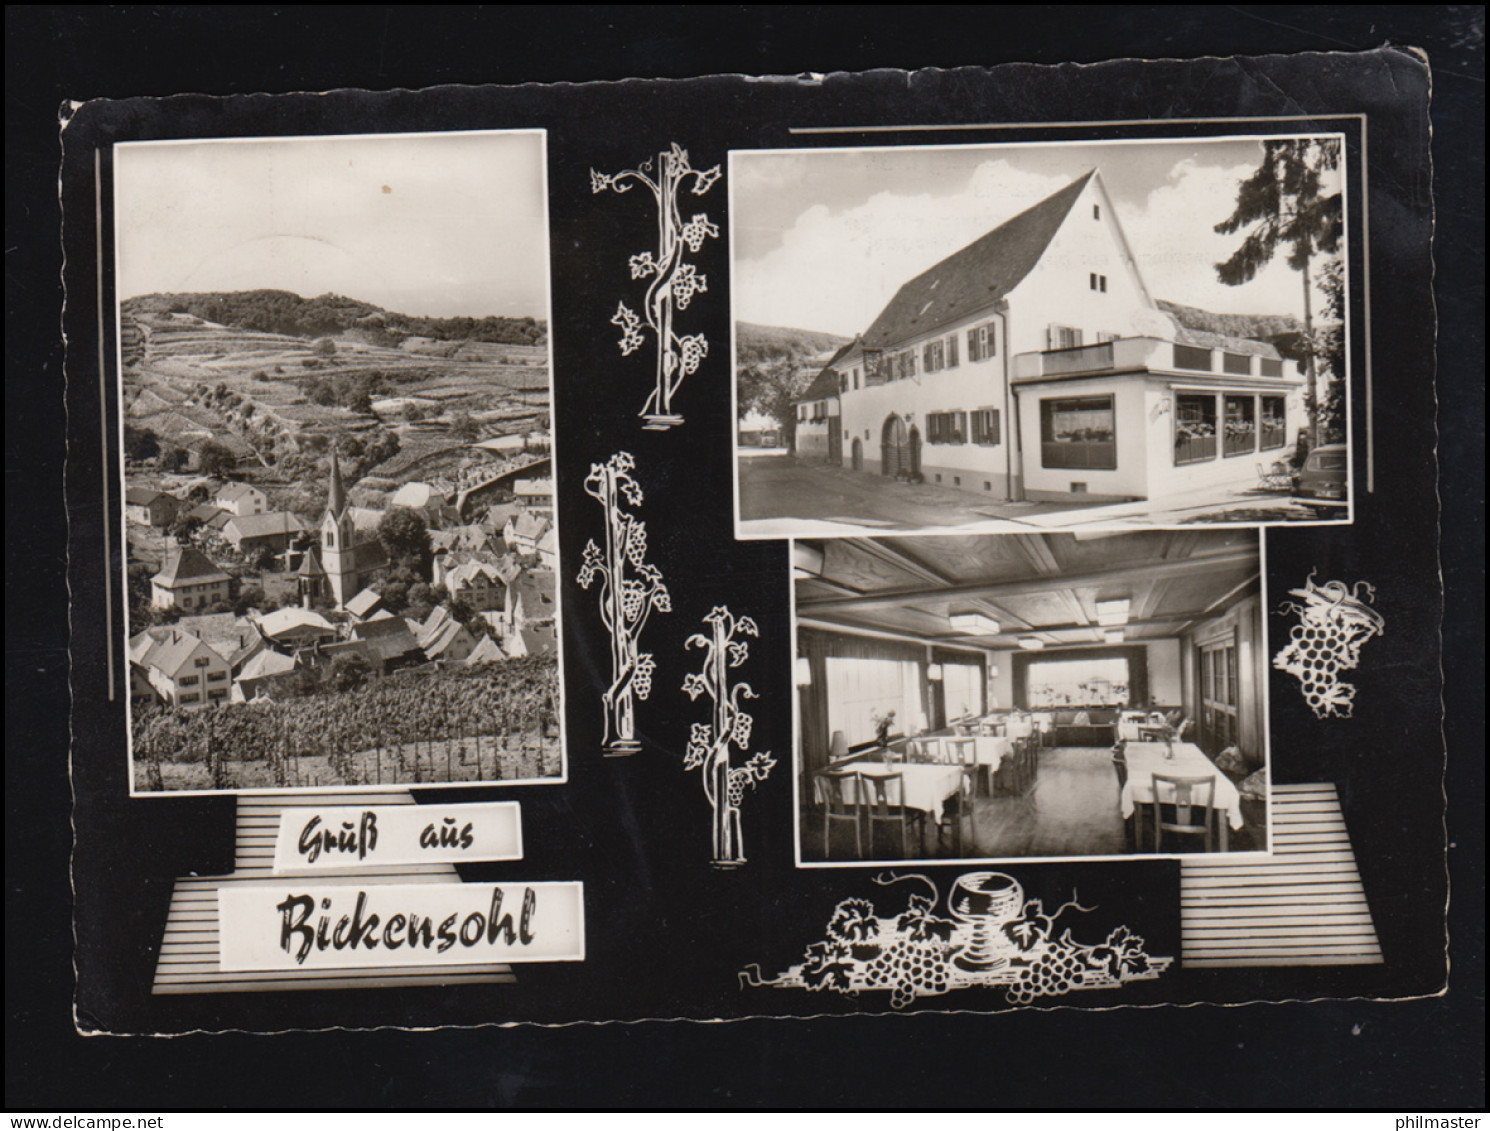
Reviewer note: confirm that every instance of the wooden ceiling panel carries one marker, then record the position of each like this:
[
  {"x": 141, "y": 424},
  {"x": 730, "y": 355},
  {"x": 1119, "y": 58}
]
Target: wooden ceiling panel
[{"x": 1044, "y": 584}]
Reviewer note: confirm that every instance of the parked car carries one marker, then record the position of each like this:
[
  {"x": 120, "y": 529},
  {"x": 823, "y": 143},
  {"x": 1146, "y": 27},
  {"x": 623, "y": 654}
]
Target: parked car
[{"x": 1320, "y": 484}]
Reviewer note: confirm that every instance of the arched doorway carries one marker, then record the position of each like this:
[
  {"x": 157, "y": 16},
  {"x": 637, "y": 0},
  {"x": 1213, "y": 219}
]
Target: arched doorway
[
  {"x": 894, "y": 448},
  {"x": 857, "y": 454}
]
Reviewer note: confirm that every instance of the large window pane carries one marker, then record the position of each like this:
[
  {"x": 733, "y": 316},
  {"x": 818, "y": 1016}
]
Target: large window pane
[
  {"x": 1078, "y": 432},
  {"x": 860, "y": 688},
  {"x": 1241, "y": 425},
  {"x": 1274, "y": 426},
  {"x": 1078, "y": 683},
  {"x": 1194, "y": 428},
  {"x": 962, "y": 690}
]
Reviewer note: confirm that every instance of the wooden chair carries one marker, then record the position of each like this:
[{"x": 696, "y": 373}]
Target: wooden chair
[
  {"x": 924, "y": 750},
  {"x": 1189, "y": 797},
  {"x": 841, "y": 793},
  {"x": 957, "y": 809},
  {"x": 962, "y": 750},
  {"x": 881, "y": 810}
]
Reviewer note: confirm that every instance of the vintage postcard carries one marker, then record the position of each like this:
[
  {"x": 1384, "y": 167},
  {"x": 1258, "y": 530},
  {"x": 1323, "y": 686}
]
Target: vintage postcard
[{"x": 867, "y": 544}]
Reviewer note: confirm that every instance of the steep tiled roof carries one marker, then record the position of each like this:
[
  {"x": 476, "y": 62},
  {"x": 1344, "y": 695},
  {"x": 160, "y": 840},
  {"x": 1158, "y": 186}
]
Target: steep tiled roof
[
  {"x": 141, "y": 496},
  {"x": 540, "y": 640},
  {"x": 530, "y": 525},
  {"x": 310, "y": 564},
  {"x": 486, "y": 650},
  {"x": 267, "y": 662},
  {"x": 466, "y": 573},
  {"x": 437, "y": 642},
  {"x": 364, "y": 603},
  {"x": 265, "y": 525},
  {"x": 232, "y": 492},
  {"x": 206, "y": 512},
  {"x": 170, "y": 653},
  {"x": 826, "y": 383},
  {"x": 977, "y": 276},
  {"x": 379, "y": 627},
  {"x": 288, "y": 620},
  {"x": 188, "y": 564},
  {"x": 536, "y": 589}
]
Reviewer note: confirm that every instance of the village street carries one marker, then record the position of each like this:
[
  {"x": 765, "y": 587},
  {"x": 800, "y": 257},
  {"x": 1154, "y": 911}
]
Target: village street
[{"x": 781, "y": 496}]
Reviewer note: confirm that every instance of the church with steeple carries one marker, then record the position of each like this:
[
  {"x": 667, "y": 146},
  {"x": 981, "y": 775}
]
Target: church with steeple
[{"x": 348, "y": 556}]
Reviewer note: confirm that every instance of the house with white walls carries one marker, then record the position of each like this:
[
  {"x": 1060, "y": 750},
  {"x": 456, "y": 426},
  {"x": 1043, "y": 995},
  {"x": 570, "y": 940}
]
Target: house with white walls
[{"x": 1034, "y": 364}]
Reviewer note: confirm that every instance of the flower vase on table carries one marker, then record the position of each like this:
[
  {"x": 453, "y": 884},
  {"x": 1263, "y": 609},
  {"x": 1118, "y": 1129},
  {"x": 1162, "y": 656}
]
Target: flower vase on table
[{"x": 882, "y": 724}]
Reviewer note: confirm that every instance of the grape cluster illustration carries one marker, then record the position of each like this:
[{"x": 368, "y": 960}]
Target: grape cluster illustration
[
  {"x": 1334, "y": 622},
  {"x": 919, "y": 954}
]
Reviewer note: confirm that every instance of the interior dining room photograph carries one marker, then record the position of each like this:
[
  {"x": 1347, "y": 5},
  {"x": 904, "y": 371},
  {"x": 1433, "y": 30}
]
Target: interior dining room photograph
[{"x": 1046, "y": 696}]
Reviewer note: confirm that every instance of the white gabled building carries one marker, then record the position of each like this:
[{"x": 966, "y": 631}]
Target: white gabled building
[
  {"x": 1034, "y": 364},
  {"x": 188, "y": 579},
  {"x": 183, "y": 670},
  {"x": 242, "y": 499}
]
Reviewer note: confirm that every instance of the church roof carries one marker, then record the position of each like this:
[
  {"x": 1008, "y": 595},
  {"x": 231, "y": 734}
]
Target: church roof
[
  {"x": 310, "y": 564},
  {"x": 336, "y": 497}
]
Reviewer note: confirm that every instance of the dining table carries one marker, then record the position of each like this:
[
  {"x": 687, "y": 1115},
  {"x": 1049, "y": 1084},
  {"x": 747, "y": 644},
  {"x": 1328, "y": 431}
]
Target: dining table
[
  {"x": 926, "y": 786},
  {"x": 1184, "y": 760}
]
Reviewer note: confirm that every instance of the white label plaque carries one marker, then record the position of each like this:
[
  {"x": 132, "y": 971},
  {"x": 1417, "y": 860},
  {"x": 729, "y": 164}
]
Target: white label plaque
[
  {"x": 292, "y": 926},
  {"x": 336, "y": 838}
]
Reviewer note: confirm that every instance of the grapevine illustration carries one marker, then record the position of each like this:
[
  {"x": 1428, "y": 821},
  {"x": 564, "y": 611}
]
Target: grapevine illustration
[
  {"x": 1334, "y": 622},
  {"x": 674, "y": 282},
  {"x": 630, "y": 589},
  {"x": 995, "y": 938},
  {"x": 709, "y": 744}
]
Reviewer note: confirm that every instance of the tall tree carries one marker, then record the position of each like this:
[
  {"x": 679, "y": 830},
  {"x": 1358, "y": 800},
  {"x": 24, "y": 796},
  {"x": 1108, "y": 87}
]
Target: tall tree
[{"x": 1289, "y": 203}]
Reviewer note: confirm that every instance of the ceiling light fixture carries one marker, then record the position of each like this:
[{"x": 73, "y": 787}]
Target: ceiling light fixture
[
  {"x": 974, "y": 624},
  {"x": 1113, "y": 612},
  {"x": 1031, "y": 643}
]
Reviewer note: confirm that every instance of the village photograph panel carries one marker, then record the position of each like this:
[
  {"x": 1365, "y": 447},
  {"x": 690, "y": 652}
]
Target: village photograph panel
[
  {"x": 339, "y": 523},
  {"x": 1027, "y": 337},
  {"x": 1095, "y": 694}
]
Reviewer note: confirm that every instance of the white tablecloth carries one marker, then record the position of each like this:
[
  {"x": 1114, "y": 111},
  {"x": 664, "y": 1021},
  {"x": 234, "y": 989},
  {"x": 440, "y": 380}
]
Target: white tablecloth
[
  {"x": 1130, "y": 726},
  {"x": 927, "y": 787},
  {"x": 992, "y": 751},
  {"x": 1145, "y": 759}
]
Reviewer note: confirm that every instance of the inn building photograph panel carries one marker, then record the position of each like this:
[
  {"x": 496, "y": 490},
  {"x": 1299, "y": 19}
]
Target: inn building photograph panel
[{"x": 1040, "y": 337}]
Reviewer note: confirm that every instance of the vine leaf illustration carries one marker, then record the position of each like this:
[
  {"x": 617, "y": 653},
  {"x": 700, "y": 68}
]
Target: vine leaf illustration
[{"x": 672, "y": 281}]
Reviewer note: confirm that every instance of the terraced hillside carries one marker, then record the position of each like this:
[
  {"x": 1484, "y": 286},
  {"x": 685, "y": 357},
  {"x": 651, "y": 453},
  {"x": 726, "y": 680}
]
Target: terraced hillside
[{"x": 396, "y": 406}]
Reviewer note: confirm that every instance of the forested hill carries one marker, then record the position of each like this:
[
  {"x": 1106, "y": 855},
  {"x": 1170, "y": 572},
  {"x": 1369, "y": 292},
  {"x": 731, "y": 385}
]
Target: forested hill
[
  {"x": 1257, "y": 327},
  {"x": 755, "y": 344},
  {"x": 283, "y": 312}
]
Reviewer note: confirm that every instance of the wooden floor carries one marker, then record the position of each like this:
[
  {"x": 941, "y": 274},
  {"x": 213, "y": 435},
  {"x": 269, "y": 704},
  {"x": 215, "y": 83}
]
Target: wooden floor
[{"x": 1070, "y": 810}]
